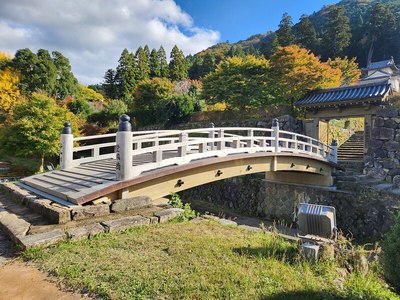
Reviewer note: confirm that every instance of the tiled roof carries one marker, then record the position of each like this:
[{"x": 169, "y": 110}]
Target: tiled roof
[
  {"x": 381, "y": 64},
  {"x": 345, "y": 94}
]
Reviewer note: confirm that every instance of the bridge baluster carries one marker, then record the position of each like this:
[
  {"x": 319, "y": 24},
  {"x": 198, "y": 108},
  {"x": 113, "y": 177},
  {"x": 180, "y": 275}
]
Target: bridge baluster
[
  {"x": 67, "y": 145},
  {"x": 275, "y": 128},
  {"x": 124, "y": 169},
  {"x": 221, "y": 142},
  {"x": 183, "y": 139},
  {"x": 250, "y": 142}
]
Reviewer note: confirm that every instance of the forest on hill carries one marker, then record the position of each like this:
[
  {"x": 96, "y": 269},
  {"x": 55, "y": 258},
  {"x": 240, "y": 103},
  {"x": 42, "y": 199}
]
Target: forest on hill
[{"x": 349, "y": 28}]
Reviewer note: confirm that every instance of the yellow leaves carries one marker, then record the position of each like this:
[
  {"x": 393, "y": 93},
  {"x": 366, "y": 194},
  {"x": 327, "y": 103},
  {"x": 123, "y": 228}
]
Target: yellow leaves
[
  {"x": 9, "y": 91},
  {"x": 4, "y": 57},
  {"x": 350, "y": 71}
]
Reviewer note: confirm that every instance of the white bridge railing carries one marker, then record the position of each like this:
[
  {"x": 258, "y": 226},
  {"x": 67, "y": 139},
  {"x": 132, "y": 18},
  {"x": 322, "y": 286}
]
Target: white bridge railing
[{"x": 140, "y": 151}]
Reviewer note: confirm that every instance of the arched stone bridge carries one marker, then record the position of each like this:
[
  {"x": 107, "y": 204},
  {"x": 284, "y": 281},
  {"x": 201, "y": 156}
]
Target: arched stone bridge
[{"x": 155, "y": 163}]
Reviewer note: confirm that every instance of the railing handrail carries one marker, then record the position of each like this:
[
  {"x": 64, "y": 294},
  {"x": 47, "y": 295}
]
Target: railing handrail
[{"x": 206, "y": 141}]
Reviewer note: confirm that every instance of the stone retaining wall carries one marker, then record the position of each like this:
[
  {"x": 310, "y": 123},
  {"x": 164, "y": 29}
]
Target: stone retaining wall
[
  {"x": 367, "y": 213},
  {"x": 383, "y": 157}
]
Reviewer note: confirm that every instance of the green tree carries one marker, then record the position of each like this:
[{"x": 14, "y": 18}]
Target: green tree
[
  {"x": 382, "y": 27},
  {"x": 35, "y": 127},
  {"x": 45, "y": 73},
  {"x": 142, "y": 62},
  {"x": 306, "y": 34},
  {"x": 80, "y": 107},
  {"x": 87, "y": 94},
  {"x": 178, "y": 69},
  {"x": 178, "y": 109},
  {"x": 239, "y": 83},
  {"x": 349, "y": 68},
  {"x": 66, "y": 83},
  {"x": 236, "y": 50},
  {"x": 391, "y": 254},
  {"x": 151, "y": 99},
  {"x": 208, "y": 64},
  {"x": 284, "y": 33},
  {"x": 125, "y": 77},
  {"x": 154, "y": 64},
  {"x": 164, "y": 68},
  {"x": 337, "y": 36},
  {"x": 110, "y": 85},
  {"x": 24, "y": 63}
]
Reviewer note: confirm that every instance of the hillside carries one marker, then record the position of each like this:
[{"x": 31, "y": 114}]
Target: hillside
[{"x": 359, "y": 14}]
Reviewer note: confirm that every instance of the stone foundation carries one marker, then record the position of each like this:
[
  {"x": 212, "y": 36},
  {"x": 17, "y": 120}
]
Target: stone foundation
[
  {"x": 363, "y": 214},
  {"x": 383, "y": 157}
]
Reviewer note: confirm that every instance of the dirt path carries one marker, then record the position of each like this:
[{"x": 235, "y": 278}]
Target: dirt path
[{"x": 19, "y": 281}]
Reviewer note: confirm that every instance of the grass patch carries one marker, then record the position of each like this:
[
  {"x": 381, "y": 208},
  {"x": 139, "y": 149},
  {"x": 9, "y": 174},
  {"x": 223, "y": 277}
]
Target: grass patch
[{"x": 199, "y": 261}]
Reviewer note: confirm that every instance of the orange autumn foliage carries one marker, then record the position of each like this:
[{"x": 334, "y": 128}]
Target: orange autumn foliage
[{"x": 296, "y": 71}]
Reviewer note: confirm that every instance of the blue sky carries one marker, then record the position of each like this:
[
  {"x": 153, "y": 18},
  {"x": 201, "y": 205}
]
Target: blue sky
[
  {"x": 238, "y": 19},
  {"x": 92, "y": 36}
]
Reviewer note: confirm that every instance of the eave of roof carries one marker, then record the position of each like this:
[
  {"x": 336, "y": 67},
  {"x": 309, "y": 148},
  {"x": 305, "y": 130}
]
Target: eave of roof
[{"x": 346, "y": 95}]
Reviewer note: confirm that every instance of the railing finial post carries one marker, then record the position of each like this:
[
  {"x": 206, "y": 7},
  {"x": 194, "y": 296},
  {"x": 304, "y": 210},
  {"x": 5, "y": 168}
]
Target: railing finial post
[
  {"x": 67, "y": 145},
  {"x": 334, "y": 149},
  {"x": 275, "y": 128},
  {"x": 124, "y": 168}
]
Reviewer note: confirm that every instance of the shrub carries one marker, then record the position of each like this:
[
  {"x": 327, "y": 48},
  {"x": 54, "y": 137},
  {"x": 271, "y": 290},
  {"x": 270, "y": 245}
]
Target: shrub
[
  {"x": 391, "y": 254},
  {"x": 188, "y": 213}
]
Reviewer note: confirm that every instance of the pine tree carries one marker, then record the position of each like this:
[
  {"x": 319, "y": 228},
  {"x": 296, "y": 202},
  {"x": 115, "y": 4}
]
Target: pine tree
[
  {"x": 284, "y": 32},
  {"x": 178, "y": 69},
  {"x": 381, "y": 31},
  {"x": 306, "y": 35},
  {"x": 164, "y": 68},
  {"x": 154, "y": 64},
  {"x": 66, "y": 83},
  {"x": 125, "y": 77},
  {"x": 142, "y": 61},
  {"x": 109, "y": 84},
  {"x": 45, "y": 73},
  {"x": 208, "y": 64},
  {"x": 24, "y": 62},
  {"x": 337, "y": 36}
]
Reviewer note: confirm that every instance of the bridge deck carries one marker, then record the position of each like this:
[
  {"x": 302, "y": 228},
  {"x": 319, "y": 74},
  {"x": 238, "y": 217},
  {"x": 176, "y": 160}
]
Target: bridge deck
[
  {"x": 87, "y": 178},
  {"x": 128, "y": 163}
]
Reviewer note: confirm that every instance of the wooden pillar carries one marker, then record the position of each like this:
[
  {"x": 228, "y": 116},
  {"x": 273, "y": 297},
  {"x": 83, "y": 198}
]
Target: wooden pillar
[{"x": 316, "y": 128}]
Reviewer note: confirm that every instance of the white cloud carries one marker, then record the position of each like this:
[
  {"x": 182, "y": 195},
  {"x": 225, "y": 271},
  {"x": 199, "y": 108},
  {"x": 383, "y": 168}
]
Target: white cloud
[{"x": 92, "y": 34}]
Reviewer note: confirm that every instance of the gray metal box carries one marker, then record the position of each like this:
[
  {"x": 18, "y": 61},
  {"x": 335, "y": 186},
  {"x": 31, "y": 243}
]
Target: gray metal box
[{"x": 318, "y": 220}]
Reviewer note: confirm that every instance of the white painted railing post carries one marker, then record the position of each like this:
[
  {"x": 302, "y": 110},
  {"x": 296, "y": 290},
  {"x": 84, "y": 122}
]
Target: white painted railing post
[
  {"x": 124, "y": 168},
  {"x": 221, "y": 142},
  {"x": 183, "y": 139},
  {"x": 211, "y": 135},
  {"x": 275, "y": 128},
  {"x": 334, "y": 148},
  {"x": 67, "y": 145}
]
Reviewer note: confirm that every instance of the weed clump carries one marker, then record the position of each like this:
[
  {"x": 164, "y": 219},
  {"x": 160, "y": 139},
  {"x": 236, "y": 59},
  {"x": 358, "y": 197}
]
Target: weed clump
[{"x": 188, "y": 212}]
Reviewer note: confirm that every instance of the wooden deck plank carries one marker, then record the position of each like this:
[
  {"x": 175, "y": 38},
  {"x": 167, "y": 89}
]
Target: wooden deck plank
[
  {"x": 60, "y": 184},
  {"x": 47, "y": 188},
  {"x": 62, "y": 178},
  {"x": 85, "y": 178},
  {"x": 92, "y": 173},
  {"x": 95, "y": 170}
]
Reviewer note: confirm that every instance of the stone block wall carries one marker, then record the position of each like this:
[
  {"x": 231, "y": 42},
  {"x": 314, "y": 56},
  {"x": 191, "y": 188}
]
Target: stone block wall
[
  {"x": 363, "y": 214},
  {"x": 383, "y": 157}
]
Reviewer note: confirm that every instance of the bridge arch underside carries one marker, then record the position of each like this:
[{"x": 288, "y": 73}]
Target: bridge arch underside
[{"x": 285, "y": 168}]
